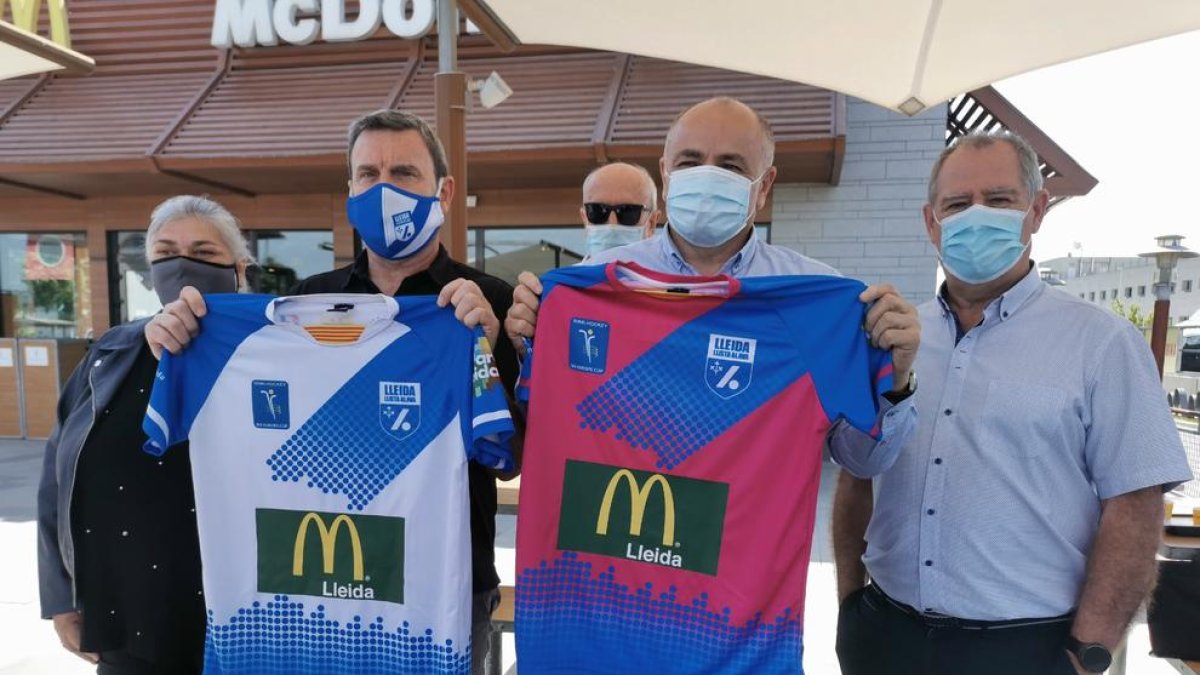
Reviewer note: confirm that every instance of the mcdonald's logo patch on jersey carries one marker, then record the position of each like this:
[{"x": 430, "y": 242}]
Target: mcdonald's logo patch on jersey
[
  {"x": 647, "y": 517},
  {"x": 333, "y": 555}
]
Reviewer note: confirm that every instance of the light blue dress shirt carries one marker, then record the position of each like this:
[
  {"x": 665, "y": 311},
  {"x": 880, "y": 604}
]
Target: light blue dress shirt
[
  {"x": 857, "y": 452},
  {"x": 1028, "y": 421}
]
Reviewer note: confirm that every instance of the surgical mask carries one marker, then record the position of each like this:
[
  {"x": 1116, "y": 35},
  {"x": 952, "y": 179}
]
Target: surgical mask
[
  {"x": 981, "y": 243},
  {"x": 708, "y": 205},
  {"x": 603, "y": 237},
  {"x": 395, "y": 223},
  {"x": 170, "y": 275}
]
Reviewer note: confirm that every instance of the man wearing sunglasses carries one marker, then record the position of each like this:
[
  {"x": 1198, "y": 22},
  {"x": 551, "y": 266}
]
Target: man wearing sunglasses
[{"x": 620, "y": 206}]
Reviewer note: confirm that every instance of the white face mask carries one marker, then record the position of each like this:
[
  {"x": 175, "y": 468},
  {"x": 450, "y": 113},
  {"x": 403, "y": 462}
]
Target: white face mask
[
  {"x": 982, "y": 243},
  {"x": 708, "y": 205},
  {"x": 603, "y": 237}
]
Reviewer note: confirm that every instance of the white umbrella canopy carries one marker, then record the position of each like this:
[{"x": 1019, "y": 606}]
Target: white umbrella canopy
[
  {"x": 23, "y": 53},
  {"x": 906, "y": 55}
]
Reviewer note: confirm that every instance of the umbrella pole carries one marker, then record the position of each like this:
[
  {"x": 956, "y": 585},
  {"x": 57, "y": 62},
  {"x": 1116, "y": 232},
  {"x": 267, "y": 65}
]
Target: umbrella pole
[{"x": 450, "y": 93}]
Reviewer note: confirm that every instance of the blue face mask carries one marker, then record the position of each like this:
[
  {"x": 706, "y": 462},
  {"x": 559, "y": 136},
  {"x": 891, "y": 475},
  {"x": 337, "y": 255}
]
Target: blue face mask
[
  {"x": 981, "y": 243},
  {"x": 395, "y": 223},
  {"x": 708, "y": 205},
  {"x": 603, "y": 237}
]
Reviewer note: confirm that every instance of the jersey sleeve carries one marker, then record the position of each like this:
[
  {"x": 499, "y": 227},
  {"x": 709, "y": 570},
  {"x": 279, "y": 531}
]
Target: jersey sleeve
[
  {"x": 183, "y": 382},
  {"x": 491, "y": 422},
  {"x": 525, "y": 382},
  {"x": 849, "y": 374}
]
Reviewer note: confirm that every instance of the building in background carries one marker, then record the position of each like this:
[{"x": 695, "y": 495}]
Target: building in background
[
  {"x": 262, "y": 129},
  {"x": 1129, "y": 281}
]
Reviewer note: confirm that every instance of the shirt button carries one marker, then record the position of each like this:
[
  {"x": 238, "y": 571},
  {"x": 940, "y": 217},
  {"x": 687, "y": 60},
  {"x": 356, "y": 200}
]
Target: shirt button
[
  {"x": 930, "y": 512},
  {"x": 937, "y": 460},
  {"x": 1005, "y": 315},
  {"x": 929, "y": 563},
  {"x": 947, "y": 412},
  {"x": 928, "y": 609}
]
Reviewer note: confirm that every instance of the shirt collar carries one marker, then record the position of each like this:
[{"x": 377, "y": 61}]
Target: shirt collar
[
  {"x": 735, "y": 266},
  {"x": 1012, "y": 300},
  {"x": 440, "y": 270}
]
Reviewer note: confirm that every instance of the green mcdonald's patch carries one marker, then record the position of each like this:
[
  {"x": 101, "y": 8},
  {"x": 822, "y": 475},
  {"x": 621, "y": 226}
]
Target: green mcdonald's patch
[
  {"x": 649, "y": 517},
  {"x": 333, "y": 555}
]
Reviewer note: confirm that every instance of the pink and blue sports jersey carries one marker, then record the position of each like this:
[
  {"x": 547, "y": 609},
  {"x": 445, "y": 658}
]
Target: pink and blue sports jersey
[
  {"x": 330, "y": 436},
  {"x": 672, "y": 460}
]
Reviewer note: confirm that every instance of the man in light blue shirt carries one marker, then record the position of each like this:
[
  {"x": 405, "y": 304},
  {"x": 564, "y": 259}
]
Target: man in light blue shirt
[
  {"x": 717, "y": 171},
  {"x": 1016, "y": 533}
]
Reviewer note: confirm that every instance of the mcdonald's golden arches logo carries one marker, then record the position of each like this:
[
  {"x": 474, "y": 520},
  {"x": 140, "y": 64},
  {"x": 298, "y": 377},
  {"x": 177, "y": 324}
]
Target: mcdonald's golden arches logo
[
  {"x": 26, "y": 14},
  {"x": 667, "y": 520},
  {"x": 351, "y": 556},
  {"x": 638, "y": 496}
]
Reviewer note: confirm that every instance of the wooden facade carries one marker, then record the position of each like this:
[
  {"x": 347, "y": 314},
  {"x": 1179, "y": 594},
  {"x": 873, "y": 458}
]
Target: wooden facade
[{"x": 263, "y": 129}]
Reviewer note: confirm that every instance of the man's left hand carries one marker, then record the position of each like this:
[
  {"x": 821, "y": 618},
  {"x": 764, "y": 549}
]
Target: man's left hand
[
  {"x": 470, "y": 307},
  {"x": 892, "y": 324}
]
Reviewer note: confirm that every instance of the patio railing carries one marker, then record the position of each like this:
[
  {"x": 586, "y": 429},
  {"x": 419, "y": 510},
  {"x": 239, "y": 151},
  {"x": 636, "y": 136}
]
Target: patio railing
[{"x": 1188, "y": 423}]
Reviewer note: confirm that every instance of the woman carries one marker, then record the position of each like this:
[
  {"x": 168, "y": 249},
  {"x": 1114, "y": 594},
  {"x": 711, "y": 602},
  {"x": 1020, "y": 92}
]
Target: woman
[{"x": 118, "y": 556}]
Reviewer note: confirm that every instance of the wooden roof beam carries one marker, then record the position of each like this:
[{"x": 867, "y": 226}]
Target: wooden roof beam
[
  {"x": 1072, "y": 179},
  {"x": 415, "y": 57},
  {"x": 44, "y": 190},
  {"x": 608, "y": 108},
  {"x": 21, "y": 100},
  {"x": 224, "y": 62}
]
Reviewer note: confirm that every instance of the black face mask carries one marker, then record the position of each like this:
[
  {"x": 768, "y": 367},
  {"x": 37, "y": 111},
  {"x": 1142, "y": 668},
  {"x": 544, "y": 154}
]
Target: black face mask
[{"x": 170, "y": 275}]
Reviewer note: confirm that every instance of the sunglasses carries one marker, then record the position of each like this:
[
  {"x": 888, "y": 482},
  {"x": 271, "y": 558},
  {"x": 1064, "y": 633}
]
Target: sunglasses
[{"x": 627, "y": 214}]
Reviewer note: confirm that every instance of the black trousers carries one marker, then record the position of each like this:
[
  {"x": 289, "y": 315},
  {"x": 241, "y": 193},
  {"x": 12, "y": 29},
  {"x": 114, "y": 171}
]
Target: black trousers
[
  {"x": 875, "y": 637},
  {"x": 124, "y": 663}
]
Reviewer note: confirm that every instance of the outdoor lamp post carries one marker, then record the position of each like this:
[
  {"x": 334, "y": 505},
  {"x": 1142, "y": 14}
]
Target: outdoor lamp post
[{"x": 1169, "y": 251}]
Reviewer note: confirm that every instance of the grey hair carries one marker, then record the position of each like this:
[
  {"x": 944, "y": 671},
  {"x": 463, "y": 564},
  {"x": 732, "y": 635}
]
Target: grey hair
[
  {"x": 398, "y": 120},
  {"x": 1027, "y": 157},
  {"x": 641, "y": 169},
  {"x": 194, "y": 206}
]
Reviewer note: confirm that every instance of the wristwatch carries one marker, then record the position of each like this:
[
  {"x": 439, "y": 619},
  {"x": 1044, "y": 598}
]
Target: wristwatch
[
  {"x": 1093, "y": 656},
  {"x": 910, "y": 387}
]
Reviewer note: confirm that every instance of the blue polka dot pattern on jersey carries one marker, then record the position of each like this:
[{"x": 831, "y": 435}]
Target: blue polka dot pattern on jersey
[
  {"x": 567, "y": 615},
  {"x": 282, "y": 636},
  {"x": 344, "y": 449},
  {"x": 662, "y": 403}
]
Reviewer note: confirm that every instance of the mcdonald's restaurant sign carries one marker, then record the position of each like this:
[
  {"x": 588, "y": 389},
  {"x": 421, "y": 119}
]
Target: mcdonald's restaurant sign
[
  {"x": 26, "y": 14},
  {"x": 249, "y": 23},
  {"x": 333, "y": 555},
  {"x": 647, "y": 517}
]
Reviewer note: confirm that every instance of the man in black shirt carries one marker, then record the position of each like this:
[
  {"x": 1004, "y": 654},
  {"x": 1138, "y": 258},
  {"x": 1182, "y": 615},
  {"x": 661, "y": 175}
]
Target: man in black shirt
[{"x": 394, "y": 157}]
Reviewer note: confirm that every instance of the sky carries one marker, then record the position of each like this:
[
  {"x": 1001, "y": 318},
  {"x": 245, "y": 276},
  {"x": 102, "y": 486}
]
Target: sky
[{"x": 1127, "y": 117}]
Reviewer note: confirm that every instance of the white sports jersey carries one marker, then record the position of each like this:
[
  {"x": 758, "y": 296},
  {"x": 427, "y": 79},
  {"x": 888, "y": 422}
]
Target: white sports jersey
[{"x": 329, "y": 440}]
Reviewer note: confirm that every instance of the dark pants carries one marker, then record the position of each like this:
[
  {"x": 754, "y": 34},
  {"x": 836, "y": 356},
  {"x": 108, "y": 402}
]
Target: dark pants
[
  {"x": 483, "y": 604},
  {"x": 123, "y": 663},
  {"x": 877, "y": 637}
]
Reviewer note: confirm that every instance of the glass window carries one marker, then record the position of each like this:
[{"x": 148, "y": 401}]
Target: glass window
[
  {"x": 507, "y": 251},
  {"x": 1092, "y": 296},
  {"x": 131, "y": 295},
  {"x": 1113, "y": 295},
  {"x": 1141, "y": 291},
  {"x": 1103, "y": 294},
  {"x": 1187, "y": 286},
  {"x": 1129, "y": 291},
  {"x": 284, "y": 258},
  {"x": 44, "y": 289},
  {"x": 287, "y": 256}
]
